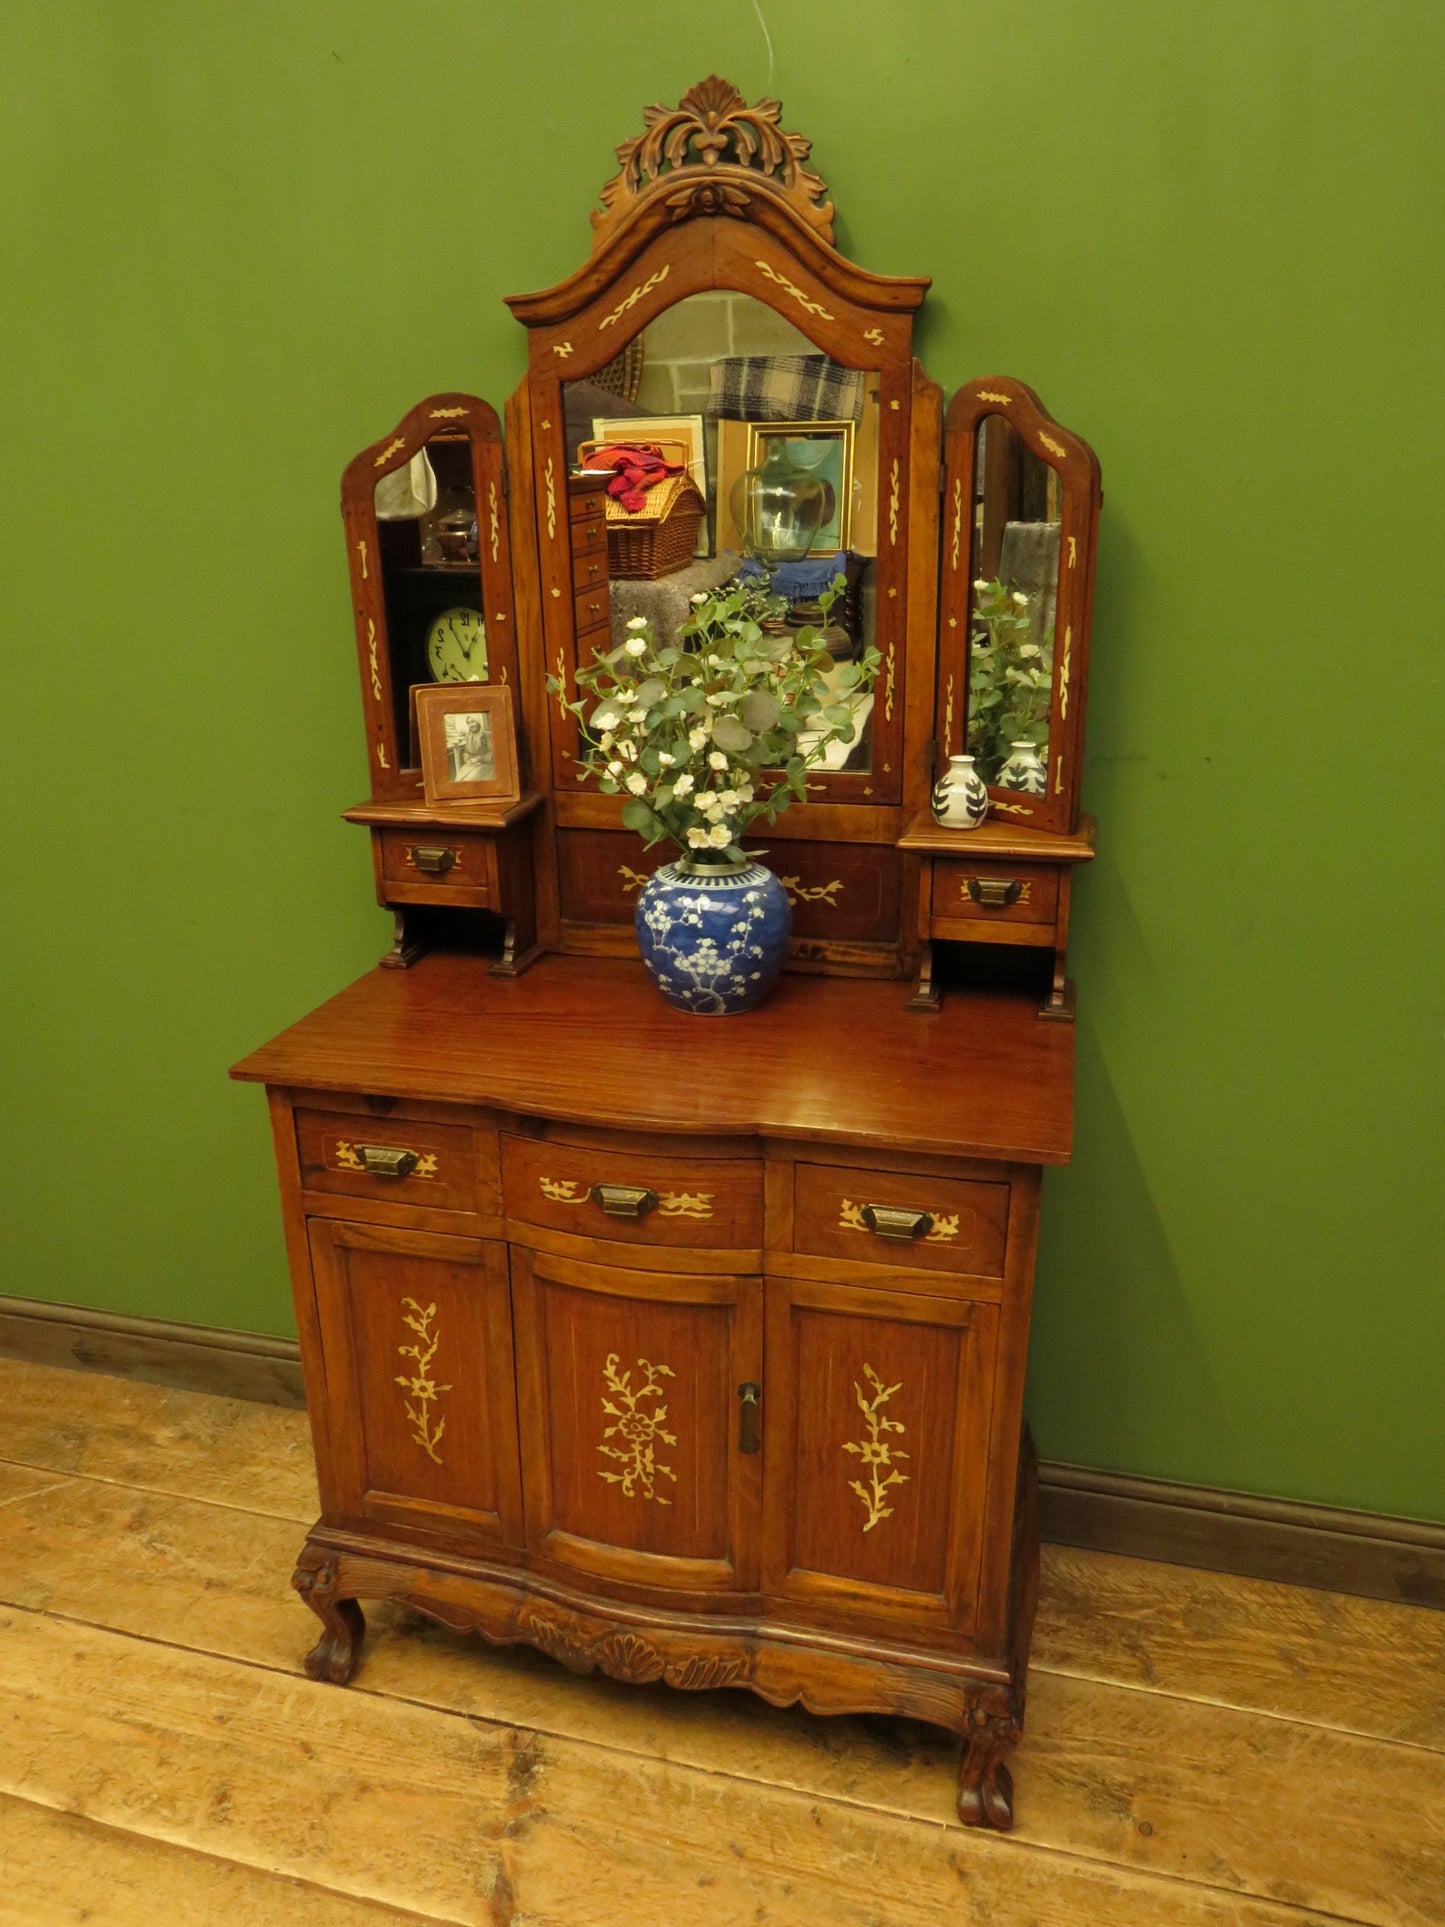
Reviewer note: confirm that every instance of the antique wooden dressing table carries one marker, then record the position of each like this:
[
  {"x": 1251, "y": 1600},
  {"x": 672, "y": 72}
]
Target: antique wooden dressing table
[{"x": 695, "y": 1351}]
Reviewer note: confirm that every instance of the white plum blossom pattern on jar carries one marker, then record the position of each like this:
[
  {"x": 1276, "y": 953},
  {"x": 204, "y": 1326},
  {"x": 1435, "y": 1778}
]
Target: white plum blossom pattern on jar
[{"x": 713, "y": 937}]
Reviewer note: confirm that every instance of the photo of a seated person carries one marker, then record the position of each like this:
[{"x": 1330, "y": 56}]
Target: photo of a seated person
[{"x": 469, "y": 749}]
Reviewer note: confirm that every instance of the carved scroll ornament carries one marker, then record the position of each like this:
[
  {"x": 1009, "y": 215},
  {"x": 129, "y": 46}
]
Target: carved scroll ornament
[{"x": 682, "y": 148}]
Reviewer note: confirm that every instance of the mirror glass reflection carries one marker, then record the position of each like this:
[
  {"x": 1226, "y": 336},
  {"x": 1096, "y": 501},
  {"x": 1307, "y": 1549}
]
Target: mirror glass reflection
[
  {"x": 781, "y": 443},
  {"x": 426, "y": 518},
  {"x": 1017, "y": 509}
]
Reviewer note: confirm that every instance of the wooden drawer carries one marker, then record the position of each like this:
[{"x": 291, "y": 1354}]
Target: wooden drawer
[
  {"x": 593, "y": 609},
  {"x": 842, "y": 1213},
  {"x": 995, "y": 892},
  {"x": 592, "y": 643},
  {"x": 589, "y": 538},
  {"x": 586, "y": 497},
  {"x": 437, "y": 866},
  {"x": 589, "y": 571},
  {"x": 393, "y": 1160},
  {"x": 595, "y": 1194}
]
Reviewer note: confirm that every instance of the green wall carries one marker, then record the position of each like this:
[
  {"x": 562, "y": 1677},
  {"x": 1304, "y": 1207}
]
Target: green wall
[{"x": 237, "y": 242}]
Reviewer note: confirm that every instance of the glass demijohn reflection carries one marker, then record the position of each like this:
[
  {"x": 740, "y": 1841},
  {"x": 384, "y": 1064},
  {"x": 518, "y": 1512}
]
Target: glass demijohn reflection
[{"x": 778, "y": 508}]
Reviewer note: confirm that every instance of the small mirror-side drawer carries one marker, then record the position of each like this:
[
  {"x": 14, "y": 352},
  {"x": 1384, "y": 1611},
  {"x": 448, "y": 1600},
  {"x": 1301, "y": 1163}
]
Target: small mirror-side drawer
[
  {"x": 633, "y": 1196},
  {"x": 442, "y": 862},
  {"x": 902, "y": 1218},
  {"x": 394, "y": 1160},
  {"x": 995, "y": 892}
]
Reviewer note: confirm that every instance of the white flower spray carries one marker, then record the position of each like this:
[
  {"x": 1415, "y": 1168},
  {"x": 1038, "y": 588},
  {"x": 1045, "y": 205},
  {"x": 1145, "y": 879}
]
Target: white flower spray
[{"x": 702, "y": 736}]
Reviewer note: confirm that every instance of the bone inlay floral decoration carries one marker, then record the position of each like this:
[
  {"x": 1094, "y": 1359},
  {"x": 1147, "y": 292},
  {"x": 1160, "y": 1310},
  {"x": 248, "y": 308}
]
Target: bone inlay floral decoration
[
  {"x": 422, "y": 1390},
  {"x": 638, "y": 1429},
  {"x": 877, "y": 1454}
]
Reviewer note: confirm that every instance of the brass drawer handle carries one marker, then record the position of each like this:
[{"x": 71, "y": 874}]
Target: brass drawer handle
[
  {"x": 432, "y": 858},
  {"x": 897, "y": 1221},
  {"x": 749, "y": 1406},
  {"x": 994, "y": 893},
  {"x": 387, "y": 1160},
  {"x": 624, "y": 1200}
]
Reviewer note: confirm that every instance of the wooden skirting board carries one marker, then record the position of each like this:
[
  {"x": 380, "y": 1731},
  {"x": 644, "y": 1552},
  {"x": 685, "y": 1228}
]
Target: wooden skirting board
[{"x": 1366, "y": 1553}]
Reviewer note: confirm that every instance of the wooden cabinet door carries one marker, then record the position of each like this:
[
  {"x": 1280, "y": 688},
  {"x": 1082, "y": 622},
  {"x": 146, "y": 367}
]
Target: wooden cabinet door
[
  {"x": 876, "y": 1411},
  {"x": 628, "y": 1389},
  {"x": 416, "y": 1334}
]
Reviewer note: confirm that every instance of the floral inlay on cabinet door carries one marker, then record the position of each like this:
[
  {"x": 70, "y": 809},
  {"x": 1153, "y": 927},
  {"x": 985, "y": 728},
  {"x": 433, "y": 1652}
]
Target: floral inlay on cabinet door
[
  {"x": 877, "y": 1454},
  {"x": 639, "y": 1428},
  {"x": 426, "y": 1427}
]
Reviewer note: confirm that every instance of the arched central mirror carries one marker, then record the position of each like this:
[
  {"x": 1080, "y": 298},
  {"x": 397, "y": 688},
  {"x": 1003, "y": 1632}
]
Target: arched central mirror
[{"x": 736, "y": 449}]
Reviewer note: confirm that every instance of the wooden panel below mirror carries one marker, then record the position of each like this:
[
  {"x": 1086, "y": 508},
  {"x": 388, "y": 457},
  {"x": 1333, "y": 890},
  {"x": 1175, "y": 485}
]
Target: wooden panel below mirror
[{"x": 847, "y": 893}]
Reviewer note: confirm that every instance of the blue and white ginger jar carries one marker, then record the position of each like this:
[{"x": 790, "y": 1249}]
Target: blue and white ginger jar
[{"x": 713, "y": 935}]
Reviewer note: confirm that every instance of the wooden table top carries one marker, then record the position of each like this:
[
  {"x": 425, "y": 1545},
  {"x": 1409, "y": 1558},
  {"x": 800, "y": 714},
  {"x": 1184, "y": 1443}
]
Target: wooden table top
[{"x": 589, "y": 1041}]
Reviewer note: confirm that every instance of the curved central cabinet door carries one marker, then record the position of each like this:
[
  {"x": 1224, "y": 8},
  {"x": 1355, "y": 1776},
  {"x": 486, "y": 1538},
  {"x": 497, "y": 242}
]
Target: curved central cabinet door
[{"x": 631, "y": 1423}]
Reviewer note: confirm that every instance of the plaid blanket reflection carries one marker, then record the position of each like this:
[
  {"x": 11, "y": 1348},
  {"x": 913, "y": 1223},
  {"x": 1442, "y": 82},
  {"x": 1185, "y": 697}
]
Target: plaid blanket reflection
[{"x": 785, "y": 388}]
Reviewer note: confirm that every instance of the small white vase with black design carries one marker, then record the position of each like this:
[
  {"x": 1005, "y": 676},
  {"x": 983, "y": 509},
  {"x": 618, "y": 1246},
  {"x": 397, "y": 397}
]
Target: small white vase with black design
[
  {"x": 960, "y": 796},
  {"x": 1024, "y": 771}
]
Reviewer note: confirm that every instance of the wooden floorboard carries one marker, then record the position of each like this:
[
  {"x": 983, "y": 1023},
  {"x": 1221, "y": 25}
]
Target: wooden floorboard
[
  {"x": 62, "y": 1870},
  {"x": 228, "y": 1450},
  {"x": 1367, "y": 1666},
  {"x": 1199, "y": 1749}
]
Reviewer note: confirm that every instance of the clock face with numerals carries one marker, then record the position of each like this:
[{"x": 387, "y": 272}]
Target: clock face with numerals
[{"x": 456, "y": 646}]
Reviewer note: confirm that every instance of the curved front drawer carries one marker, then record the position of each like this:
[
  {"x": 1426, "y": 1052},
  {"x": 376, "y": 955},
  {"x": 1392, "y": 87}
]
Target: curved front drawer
[{"x": 633, "y": 1197}]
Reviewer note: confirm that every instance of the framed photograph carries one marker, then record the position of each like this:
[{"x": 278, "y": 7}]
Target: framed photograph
[
  {"x": 468, "y": 743},
  {"x": 825, "y": 449},
  {"x": 686, "y": 429}
]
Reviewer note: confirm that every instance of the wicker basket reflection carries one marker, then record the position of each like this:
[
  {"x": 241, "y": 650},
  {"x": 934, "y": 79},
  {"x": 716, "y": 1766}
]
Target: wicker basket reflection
[{"x": 660, "y": 537}]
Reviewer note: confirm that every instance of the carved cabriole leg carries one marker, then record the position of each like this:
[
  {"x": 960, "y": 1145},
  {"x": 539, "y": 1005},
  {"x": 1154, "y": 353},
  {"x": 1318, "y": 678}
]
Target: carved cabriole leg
[
  {"x": 335, "y": 1655},
  {"x": 985, "y": 1785}
]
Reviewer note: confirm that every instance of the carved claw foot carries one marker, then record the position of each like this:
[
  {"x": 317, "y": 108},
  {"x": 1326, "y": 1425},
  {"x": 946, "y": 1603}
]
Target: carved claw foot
[
  {"x": 336, "y": 1654},
  {"x": 985, "y": 1785}
]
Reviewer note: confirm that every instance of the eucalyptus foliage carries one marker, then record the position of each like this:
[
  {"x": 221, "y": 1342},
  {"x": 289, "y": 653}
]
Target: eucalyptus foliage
[
  {"x": 1010, "y": 676},
  {"x": 708, "y": 735}
]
